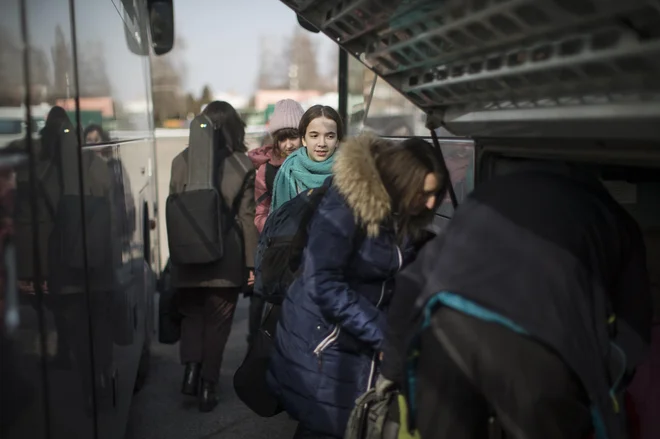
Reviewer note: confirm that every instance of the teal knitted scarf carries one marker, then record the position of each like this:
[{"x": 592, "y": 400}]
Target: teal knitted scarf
[{"x": 299, "y": 173}]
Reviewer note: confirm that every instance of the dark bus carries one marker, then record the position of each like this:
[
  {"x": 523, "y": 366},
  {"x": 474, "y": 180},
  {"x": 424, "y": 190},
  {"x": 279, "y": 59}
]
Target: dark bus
[
  {"x": 79, "y": 247},
  {"x": 496, "y": 86}
]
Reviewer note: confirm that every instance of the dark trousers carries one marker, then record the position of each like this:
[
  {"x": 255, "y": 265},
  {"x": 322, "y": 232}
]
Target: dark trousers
[
  {"x": 470, "y": 369},
  {"x": 207, "y": 318},
  {"x": 257, "y": 305}
]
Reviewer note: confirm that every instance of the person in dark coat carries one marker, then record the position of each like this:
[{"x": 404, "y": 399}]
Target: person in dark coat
[
  {"x": 123, "y": 199},
  {"x": 535, "y": 305},
  {"x": 208, "y": 293},
  {"x": 331, "y": 330}
]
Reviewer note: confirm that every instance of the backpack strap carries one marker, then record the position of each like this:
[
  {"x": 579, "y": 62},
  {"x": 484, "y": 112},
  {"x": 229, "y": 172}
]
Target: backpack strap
[
  {"x": 236, "y": 203},
  {"x": 263, "y": 197},
  {"x": 271, "y": 171}
]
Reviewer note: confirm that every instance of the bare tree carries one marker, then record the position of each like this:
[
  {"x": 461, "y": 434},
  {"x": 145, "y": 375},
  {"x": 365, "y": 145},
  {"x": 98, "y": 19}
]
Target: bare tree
[
  {"x": 263, "y": 77},
  {"x": 301, "y": 54},
  {"x": 355, "y": 76},
  {"x": 63, "y": 67},
  {"x": 192, "y": 105},
  {"x": 39, "y": 69},
  {"x": 273, "y": 73},
  {"x": 167, "y": 76},
  {"x": 94, "y": 80},
  {"x": 207, "y": 95},
  {"x": 11, "y": 72}
]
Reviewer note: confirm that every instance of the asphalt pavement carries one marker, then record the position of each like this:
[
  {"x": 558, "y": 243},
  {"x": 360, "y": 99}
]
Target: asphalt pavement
[{"x": 159, "y": 410}]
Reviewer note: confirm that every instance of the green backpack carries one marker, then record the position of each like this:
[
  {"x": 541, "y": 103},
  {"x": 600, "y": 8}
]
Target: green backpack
[{"x": 375, "y": 416}]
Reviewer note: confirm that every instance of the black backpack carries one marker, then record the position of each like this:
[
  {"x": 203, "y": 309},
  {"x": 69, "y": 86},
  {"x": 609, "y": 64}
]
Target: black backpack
[
  {"x": 281, "y": 244},
  {"x": 271, "y": 171},
  {"x": 198, "y": 218}
]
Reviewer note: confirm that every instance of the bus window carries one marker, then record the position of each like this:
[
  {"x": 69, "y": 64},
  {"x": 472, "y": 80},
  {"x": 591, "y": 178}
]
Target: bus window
[
  {"x": 459, "y": 156},
  {"x": 387, "y": 112},
  {"x": 112, "y": 78},
  {"x": 11, "y": 126},
  {"x": 22, "y": 400},
  {"x": 373, "y": 105}
]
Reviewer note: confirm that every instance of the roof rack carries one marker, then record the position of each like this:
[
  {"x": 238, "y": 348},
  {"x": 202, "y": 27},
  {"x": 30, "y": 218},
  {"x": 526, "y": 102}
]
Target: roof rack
[{"x": 485, "y": 65}]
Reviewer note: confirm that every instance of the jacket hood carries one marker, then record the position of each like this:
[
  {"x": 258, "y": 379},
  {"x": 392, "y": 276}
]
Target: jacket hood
[
  {"x": 260, "y": 155},
  {"x": 358, "y": 180}
]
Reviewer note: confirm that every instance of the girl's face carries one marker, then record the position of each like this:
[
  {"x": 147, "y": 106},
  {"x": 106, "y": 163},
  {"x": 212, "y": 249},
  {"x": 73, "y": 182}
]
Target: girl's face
[
  {"x": 93, "y": 138},
  {"x": 321, "y": 139},
  {"x": 426, "y": 197},
  {"x": 287, "y": 146}
]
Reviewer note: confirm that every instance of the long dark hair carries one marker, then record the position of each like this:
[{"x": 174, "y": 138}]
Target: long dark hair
[
  {"x": 105, "y": 137},
  {"x": 403, "y": 167},
  {"x": 283, "y": 134},
  {"x": 229, "y": 121},
  {"x": 56, "y": 121},
  {"x": 317, "y": 111}
]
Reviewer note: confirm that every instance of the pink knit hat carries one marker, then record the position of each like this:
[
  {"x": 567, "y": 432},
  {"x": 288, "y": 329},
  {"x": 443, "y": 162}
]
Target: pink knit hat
[{"x": 287, "y": 114}]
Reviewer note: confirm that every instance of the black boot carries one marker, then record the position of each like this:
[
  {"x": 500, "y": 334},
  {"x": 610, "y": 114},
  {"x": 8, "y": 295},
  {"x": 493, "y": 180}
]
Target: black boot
[
  {"x": 191, "y": 379},
  {"x": 208, "y": 398}
]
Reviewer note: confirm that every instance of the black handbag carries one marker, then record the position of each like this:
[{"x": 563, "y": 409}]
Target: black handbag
[
  {"x": 169, "y": 320},
  {"x": 250, "y": 378}
]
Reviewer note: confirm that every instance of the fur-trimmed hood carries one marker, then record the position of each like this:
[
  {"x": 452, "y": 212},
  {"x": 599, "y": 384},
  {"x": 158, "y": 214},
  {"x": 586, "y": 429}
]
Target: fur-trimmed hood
[{"x": 358, "y": 180}]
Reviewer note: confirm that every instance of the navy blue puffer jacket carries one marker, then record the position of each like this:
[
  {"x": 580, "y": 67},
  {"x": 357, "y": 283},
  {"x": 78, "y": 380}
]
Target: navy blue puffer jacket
[{"x": 333, "y": 318}]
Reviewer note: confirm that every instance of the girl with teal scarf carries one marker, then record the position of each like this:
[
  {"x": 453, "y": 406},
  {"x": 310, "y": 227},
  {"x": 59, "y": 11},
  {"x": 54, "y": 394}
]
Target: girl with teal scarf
[{"x": 321, "y": 131}]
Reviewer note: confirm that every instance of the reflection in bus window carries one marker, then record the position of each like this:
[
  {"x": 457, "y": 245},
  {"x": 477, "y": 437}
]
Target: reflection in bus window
[
  {"x": 459, "y": 156},
  {"x": 21, "y": 400},
  {"x": 388, "y": 113}
]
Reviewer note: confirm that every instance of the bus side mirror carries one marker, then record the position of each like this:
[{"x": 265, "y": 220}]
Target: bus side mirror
[
  {"x": 161, "y": 24},
  {"x": 306, "y": 24}
]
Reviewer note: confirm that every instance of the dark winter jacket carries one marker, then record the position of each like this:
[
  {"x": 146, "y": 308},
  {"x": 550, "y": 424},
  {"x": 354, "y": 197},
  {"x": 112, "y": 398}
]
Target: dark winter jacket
[
  {"x": 333, "y": 319},
  {"x": 550, "y": 257}
]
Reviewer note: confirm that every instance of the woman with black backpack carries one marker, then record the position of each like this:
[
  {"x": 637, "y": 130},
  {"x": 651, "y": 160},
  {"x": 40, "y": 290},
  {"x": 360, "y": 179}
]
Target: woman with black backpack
[{"x": 331, "y": 329}]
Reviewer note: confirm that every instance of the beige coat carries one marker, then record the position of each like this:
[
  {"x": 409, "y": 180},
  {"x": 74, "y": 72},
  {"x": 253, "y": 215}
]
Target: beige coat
[{"x": 237, "y": 189}]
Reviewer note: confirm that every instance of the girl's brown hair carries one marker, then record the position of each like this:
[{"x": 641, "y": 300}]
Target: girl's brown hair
[
  {"x": 403, "y": 167},
  {"x": 284, "y": 134},
  {"x": 320, "y": 111}
]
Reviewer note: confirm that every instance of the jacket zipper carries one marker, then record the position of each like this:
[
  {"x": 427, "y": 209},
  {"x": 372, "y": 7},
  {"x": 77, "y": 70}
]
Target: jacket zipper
[
  {"x": 372, "y": 370},
  {"x": 325, "y": 343}
]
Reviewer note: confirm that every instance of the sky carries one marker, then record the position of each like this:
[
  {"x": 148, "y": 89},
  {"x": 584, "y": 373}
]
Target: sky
[{"x": 222, "y": 40}]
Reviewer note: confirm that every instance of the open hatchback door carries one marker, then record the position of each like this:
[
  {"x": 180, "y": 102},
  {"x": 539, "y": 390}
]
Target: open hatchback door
[
  {"x": 531, "y": 83},
  {"x": 510, "y": 68}
]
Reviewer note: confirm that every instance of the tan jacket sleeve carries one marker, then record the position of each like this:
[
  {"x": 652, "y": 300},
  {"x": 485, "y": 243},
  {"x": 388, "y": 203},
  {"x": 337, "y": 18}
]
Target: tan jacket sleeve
[{"x": 245, "y": 216}]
